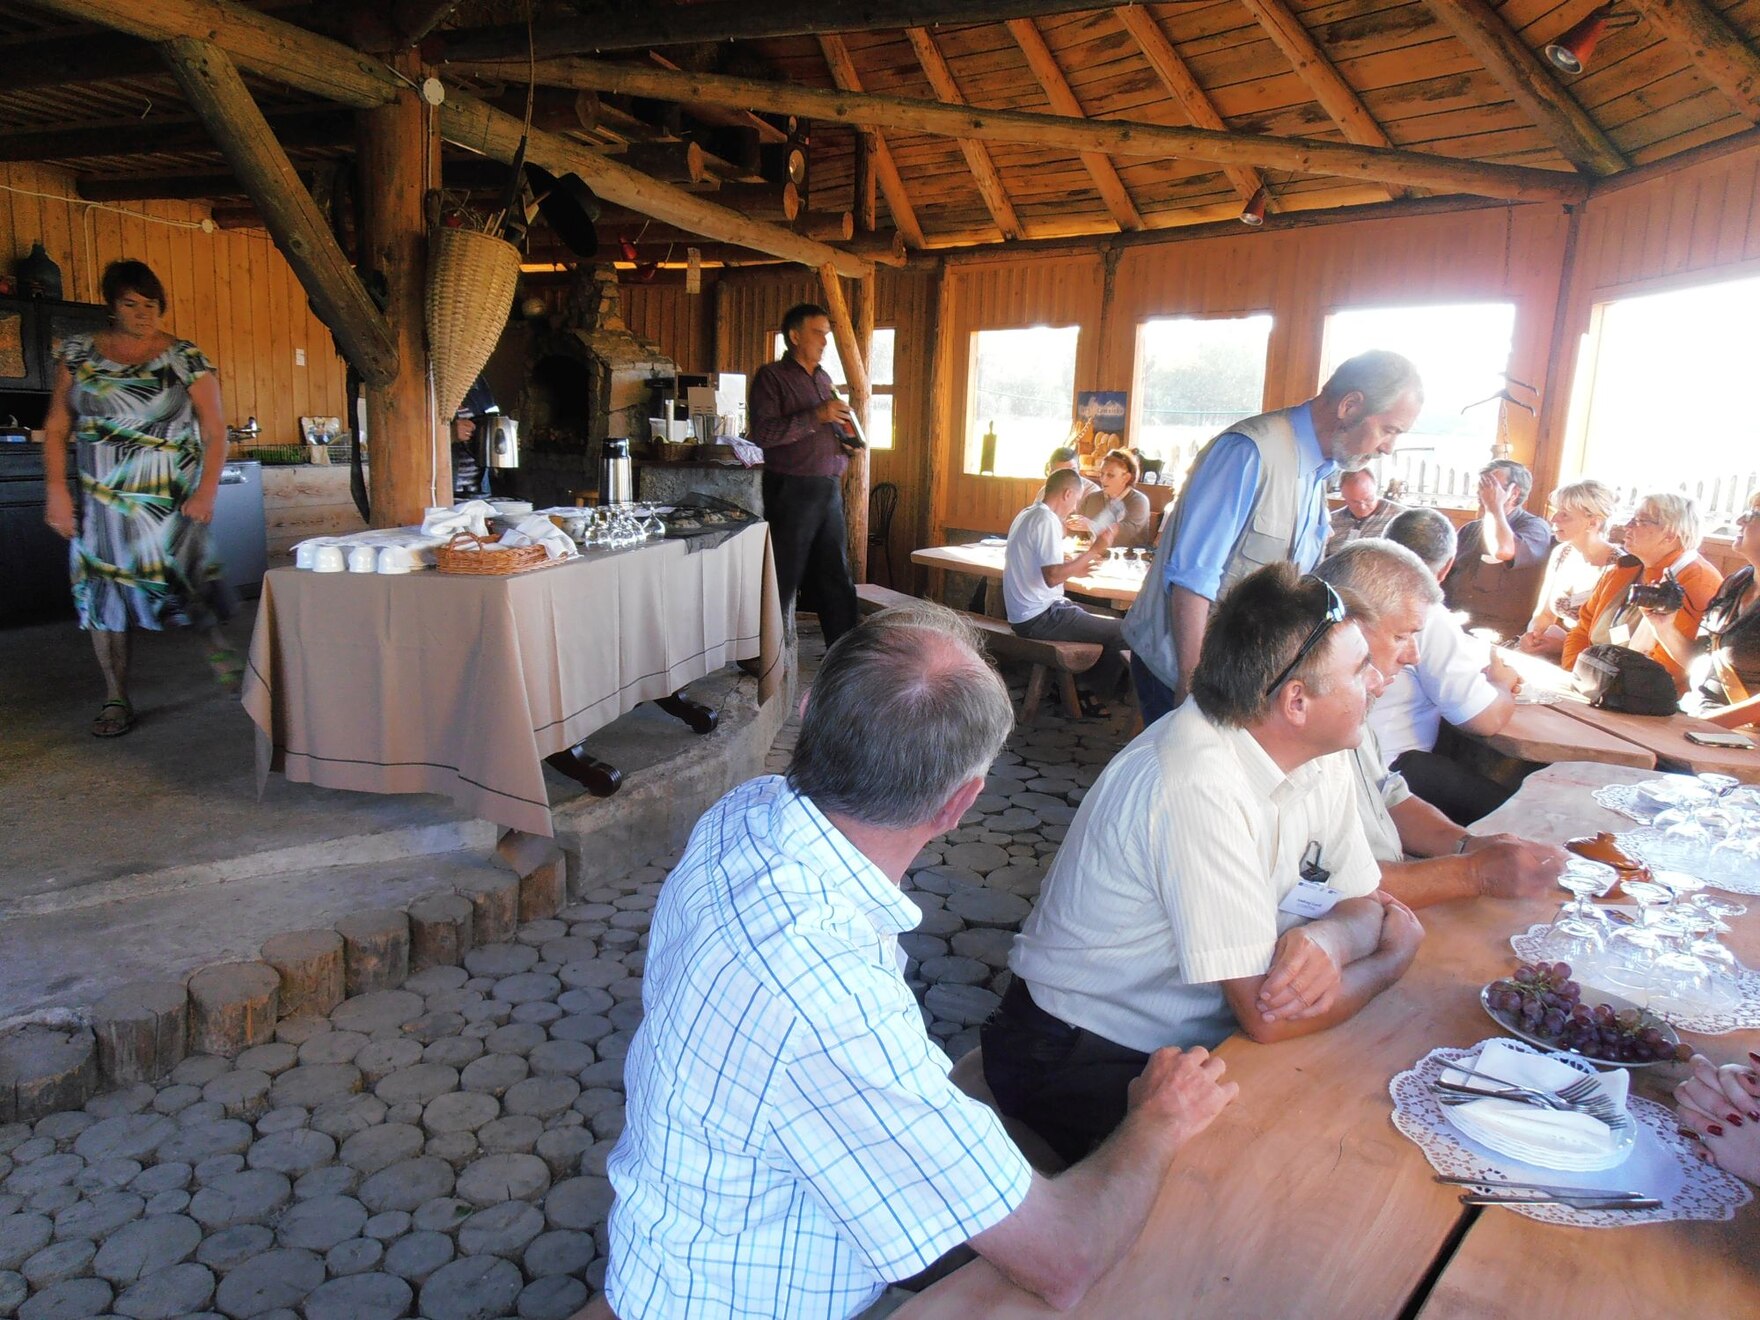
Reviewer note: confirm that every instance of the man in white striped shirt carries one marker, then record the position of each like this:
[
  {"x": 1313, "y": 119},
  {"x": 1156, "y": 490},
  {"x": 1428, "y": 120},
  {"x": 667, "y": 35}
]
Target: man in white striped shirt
[
  {"x": 1216, "y": 875},
  {"x": 793, "y": 1142}
]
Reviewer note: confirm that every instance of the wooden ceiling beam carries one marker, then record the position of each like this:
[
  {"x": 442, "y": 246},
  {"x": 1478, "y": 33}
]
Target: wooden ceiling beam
[
  {"x": 284, "y": 53},
  {"x": 314, "y": 126},
  {"x": 618, "y": 25},
  {"x": 1530, "y": 81},
  {"x": 1319, "y": 75},
  {"x": 1116, "y": 137},
  {"x": 1718, "y": 52},
  {"x": 898, "y": 200},
  {"x": 1177, "y": 78},
  {"x": 1062, "y": 99},
  {"x": 977, "y": 155}
]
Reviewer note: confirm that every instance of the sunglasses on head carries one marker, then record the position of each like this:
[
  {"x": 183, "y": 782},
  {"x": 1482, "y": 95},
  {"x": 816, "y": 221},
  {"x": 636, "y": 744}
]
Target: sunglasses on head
[{"x": 1335, "y": 613}]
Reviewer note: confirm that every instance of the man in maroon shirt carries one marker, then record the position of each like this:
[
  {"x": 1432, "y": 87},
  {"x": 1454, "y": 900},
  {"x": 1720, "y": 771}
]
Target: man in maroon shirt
[{"x": 800, "y": 424}]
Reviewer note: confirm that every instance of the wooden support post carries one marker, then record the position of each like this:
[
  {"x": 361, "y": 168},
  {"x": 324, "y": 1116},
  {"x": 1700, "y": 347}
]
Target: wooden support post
[
  {"x": 866, "y": 200},
  {"x": 409, "y": 454},
  {"x": 852, "y": 351},
  {"x": 218, "y": 95},
  {"x": 671, "y": 162}
]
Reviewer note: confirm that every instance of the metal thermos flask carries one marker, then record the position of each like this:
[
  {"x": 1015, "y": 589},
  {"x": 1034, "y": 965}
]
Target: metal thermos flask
[{"x": 615, "y": 483}]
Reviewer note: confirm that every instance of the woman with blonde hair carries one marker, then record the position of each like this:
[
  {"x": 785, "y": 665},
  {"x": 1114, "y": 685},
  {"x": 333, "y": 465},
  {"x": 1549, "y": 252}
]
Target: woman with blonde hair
[
  {"x": 1662, "y": 540},
  {"x": 1579, "y": 514},
  {"x": 1723, "y": 662}
]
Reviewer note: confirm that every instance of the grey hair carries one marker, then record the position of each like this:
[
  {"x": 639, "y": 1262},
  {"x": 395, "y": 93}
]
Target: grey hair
[
  {"x": 1589, "y": 497},
  {"x": 1382, "y": 575},
  {"x": 1517, "y": 474},
  {"x": 1427, "y": 534},
  {"x": 1675, "y": 513},
  {"x": 1381, "y": 376},
  {"x": 904, "y": 709}
]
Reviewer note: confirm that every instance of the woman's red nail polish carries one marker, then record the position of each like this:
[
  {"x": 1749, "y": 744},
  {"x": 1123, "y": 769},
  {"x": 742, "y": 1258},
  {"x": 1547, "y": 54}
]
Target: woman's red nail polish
[
  {"x": 1754, "y": 1116},
  {"x": 1714, "y": 1129},
  {"x": 1735, "y": 1119}
]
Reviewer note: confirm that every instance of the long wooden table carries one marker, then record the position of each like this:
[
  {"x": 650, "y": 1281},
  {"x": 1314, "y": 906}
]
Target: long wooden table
[
  {"x": 1303, "y": 1200},
  {"x": 985, "y": 560}
]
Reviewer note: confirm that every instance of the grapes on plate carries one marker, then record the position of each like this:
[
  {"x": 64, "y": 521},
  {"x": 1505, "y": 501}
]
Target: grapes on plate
[{"x": 1543, "y": 999}]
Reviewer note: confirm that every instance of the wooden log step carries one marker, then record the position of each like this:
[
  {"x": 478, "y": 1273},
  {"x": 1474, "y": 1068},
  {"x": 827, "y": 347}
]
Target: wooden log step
[
  {"x": 439, "y": 931},
  {"x": 310, "y": 964},
  {"x": 494, "y": 902},
  {"x": 43, "y": 1070},
  {"x": 142, "y": 1031},
  {"x": 233, "y": 1006},
  {"x": 375, "y": 950}
]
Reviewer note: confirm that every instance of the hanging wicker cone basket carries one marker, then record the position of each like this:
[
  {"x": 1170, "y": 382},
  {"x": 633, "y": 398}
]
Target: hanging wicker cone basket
[{"x": 471, "y": 278}]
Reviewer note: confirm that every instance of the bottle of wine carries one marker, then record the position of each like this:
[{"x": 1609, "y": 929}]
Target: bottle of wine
[{"x": 987, "y": 452}]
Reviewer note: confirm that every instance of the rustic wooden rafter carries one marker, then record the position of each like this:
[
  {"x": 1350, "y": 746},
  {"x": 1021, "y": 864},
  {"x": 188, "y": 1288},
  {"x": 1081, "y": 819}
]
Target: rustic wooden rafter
[
  {"x": 891, "y": 182},
  {"x": 314, "y": 126},
  {"x": 1063, "y": 100},
  {"x": 1118, "y": 137},
  {"x": 977, "y": 155},
  {"x": 211, "y": 84},
  {"x": 415, "y": 19},
  {"x": 284, "y": 53},
  {"x": 1177, "y": 78},
  {"x": 1718, "y": 52},
  {"x": 1529, "y": 80}
]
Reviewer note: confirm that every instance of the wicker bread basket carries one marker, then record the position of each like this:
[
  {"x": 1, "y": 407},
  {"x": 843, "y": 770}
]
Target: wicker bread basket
[
  {"x": 471, "y": 278},
  {"x": 489, "y": 559}
]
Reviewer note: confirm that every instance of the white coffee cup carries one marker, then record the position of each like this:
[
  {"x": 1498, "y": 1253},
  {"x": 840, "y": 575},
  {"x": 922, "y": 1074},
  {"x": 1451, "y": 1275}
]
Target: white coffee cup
[
  {"x": 329, "y": 559},
  {"x": 363, "y": 559},
  {"x": 305, "y": 554}
]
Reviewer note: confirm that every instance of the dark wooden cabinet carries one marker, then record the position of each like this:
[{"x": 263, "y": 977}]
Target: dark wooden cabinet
[
  {"x": 31, "y": 329},
  {"x": 33, "y": 559}
]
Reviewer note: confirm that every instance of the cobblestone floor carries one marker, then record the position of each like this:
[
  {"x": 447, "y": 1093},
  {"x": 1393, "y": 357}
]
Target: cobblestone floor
[{"x": 439, "y": 1150}]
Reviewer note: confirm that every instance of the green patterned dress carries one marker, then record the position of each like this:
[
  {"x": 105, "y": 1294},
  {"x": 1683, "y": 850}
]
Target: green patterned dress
[{"x": 137, "y": 561}]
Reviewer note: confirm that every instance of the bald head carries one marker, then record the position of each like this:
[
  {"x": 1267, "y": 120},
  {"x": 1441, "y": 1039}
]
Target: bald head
[{"x": 1358, "y": 491}]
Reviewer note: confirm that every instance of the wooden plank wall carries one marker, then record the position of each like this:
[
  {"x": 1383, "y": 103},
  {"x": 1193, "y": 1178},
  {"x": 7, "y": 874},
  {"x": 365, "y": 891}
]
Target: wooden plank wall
[
  {"x": 230, "y": 292},
  {"x": 677, "y": 321}
]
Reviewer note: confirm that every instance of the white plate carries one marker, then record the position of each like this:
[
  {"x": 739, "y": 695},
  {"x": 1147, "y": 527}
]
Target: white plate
[{"x": 1466, "y": 1120}]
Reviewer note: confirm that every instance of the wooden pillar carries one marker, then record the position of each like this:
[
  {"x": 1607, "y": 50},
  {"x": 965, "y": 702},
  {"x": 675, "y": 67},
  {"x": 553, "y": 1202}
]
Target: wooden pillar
[
  {"x": 408, "y": 447},
  {"x": 852, "y": 350}
]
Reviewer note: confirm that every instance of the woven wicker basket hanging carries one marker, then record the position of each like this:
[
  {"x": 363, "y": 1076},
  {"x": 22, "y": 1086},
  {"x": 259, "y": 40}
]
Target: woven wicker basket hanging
[{"x": 471, "y": 278}]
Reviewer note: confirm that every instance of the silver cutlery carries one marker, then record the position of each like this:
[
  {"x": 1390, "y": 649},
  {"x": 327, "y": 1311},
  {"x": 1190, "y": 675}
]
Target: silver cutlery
[
  {"x": 1602, "y": 1111},
  {"x": 1569, "y": 1202},
  {"x": 1546, "y": 1189}
]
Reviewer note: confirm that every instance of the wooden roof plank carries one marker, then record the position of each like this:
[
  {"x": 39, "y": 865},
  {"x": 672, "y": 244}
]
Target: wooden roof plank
[
  {"x": 1716, "y": 49},
  {"x": 898, "y": 198},
  {"x": 977, "y": 156}
]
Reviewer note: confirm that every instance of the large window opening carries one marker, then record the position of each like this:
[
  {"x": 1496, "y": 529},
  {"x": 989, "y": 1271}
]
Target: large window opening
[
  {"x": 1023, "y": 386},
  {"x": 1193, "y": 377},
  {"x": 1461, "y": 352},
  {"x": 880, "y": 381}
]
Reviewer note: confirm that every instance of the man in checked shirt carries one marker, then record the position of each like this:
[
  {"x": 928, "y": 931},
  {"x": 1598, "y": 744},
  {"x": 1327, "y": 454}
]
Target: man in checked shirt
[{"x": 793, "y": 1143}]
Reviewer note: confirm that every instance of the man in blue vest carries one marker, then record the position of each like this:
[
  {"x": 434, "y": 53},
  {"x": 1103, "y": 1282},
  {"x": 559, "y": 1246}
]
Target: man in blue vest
[{"x": 1256, "y": 495}]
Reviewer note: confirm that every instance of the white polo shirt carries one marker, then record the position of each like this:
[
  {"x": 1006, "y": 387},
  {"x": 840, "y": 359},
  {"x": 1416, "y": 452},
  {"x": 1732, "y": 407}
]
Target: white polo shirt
[
  {"x": 1170, "y": 879},
  {"x": 1035, "y": 539},
  {"x": 1447, "y": 683},
  {"x": 1379, "y": 789}
]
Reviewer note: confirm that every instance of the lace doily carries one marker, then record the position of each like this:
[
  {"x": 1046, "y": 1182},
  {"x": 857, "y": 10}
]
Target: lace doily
[
  {"x": 1662, "y": 1163},
  {"x": 1625, "y": 799},
  {"x": 1725, "y": 870},
  {"x": 1744, "y": 1016}
]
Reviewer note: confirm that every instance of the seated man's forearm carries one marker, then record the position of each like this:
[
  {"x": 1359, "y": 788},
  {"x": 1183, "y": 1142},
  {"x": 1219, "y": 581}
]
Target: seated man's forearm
[
  {"x": 1423, "y": 830},
  {"x": 1351, "y": 930},
  {"x": 1362, "y": 981},
  {"x": 1492, "y": 719},
  {"x": 1432, "y": 880}
]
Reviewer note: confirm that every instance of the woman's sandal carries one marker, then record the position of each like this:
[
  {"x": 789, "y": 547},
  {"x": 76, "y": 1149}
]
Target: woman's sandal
[
  {"x": 1093, "y": 708},
  {"x": 228, "y": 667},
  {"x": 115, "y": 718}
]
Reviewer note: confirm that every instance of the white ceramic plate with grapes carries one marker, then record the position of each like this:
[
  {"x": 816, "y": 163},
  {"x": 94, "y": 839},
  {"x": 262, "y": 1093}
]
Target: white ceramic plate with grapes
[{"x": 1561, "y": 1027}]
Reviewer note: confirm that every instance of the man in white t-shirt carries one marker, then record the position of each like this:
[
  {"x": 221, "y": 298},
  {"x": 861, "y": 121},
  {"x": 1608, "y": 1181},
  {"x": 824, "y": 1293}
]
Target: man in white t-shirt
[
  {"x": 1457, "y": 678},
  {"x": 1216, "y": 876},
  {"x": 1033, "y": 575}
]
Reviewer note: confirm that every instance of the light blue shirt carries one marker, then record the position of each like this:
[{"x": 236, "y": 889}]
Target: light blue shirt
[
  {"x": 1218, "y": 500},
  {"x": 792, "y": 1141}
]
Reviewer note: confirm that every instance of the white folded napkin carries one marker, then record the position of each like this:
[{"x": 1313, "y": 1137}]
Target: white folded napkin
[
  {"x": 539, "y": 530},
  {"x": 1570, "y": 1135},
  {"x": 472, "y": 516}
]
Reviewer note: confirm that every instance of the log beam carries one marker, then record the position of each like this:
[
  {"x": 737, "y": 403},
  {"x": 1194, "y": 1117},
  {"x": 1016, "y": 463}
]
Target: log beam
[
  {"x": 890, "y": 181},
  {"x": 853, "y": 353},
  {"x": 1718, "y": 52},
  {"x": 315, "y": 126},
  {"x": 1062, "y": 99},
  {"x": 1530, "y": 81},
  {"x": 1177, "y": 78},
  {"x": 1117, "y": 137},
  {"x": 827, "y": 226},
  {"x": 977, "y": 155},
  {"x": 319, "y": 66},
  {"x": 217, "y": 94}
]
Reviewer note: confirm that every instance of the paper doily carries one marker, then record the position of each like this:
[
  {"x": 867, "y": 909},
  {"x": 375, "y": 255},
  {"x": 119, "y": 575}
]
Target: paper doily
[
  {"x": 1723, "y": 870},
  {"x": 1745, "y": 1016},
  {"x": 1625, "y": 799},
  {"x": 1662, "y": 1164}
]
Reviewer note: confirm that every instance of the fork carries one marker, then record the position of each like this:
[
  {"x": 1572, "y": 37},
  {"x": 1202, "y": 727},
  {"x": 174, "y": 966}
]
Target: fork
[
  {"x": 1583, "y": 1092},
  {"x": 1582, "y": 1097}
]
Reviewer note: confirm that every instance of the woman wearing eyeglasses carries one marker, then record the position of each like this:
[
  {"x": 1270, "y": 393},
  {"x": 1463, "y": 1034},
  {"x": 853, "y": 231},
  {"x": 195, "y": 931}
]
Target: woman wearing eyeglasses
[
  {"x": 1662, "y": 539},
  {"x": 1723, "y": 661}
]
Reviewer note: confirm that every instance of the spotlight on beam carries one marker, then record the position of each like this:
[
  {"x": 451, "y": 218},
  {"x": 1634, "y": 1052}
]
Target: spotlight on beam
[
  {"x": 1573, "y": 48},
  {"x": 1253, "y": 213}
]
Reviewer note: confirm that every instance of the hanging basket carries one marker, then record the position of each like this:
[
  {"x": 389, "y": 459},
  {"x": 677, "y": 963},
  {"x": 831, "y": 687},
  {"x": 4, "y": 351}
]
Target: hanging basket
[{"x": 471, "y": 278}]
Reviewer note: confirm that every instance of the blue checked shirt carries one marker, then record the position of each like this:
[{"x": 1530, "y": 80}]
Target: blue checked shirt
[{"x": 792, "y": 1141}]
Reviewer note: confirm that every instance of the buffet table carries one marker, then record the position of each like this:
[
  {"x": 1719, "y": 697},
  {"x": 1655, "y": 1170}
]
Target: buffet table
[
  {"x": 1303, "y": 1199},
  {"x": 462, "y": 685}
]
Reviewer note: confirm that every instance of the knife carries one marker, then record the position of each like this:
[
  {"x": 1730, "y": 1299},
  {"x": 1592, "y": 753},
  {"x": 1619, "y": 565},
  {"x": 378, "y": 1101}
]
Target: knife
[
  {"x": 1547, "y": 1189},
  {"x": 1569, "y": 1202}
]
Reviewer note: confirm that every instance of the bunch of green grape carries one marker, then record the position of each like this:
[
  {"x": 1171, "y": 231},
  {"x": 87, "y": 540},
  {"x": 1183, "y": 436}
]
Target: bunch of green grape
[{"x": 1548, "y": 1004}]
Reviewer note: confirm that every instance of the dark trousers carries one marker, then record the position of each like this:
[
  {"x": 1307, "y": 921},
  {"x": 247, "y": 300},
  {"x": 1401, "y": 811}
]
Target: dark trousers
[
  {"x": 811, "y": 546},
  {"x": 1067, "y": 1084},
  {"x": 1461, "y": 794},
  {"x": 1065, "y": 621},
  {"x": 1154, "y": 698}
]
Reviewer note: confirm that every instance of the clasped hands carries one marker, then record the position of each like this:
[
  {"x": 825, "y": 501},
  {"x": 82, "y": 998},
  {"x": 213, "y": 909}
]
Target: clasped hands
[{"x": 1307, "y": 966}]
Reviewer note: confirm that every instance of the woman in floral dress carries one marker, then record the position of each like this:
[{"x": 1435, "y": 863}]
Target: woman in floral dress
[{"x": 144, "y": 409}]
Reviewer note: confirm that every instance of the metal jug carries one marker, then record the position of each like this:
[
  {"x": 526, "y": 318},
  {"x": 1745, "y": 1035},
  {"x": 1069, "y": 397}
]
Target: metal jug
[{"x": 615, "y": 483}]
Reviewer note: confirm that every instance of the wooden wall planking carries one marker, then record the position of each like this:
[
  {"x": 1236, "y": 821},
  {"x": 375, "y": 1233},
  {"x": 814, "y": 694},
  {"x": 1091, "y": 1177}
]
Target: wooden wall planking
[{"x": 230, "y": 292}]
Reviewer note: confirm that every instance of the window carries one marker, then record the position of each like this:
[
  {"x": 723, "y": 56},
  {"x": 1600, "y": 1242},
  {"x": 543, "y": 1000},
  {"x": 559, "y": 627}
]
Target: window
[
  {"x": 880, "y": 381},
  {"x": 1664, "y": 394},
  {"x": 1023, "y": 383},
  {"x": 1461, "y": 353},
  {"x": 1194, "y": 376}
]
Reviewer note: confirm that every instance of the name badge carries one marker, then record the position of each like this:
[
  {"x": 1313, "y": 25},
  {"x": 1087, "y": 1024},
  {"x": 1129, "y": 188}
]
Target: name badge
[{"x": 1310, "y": 899}]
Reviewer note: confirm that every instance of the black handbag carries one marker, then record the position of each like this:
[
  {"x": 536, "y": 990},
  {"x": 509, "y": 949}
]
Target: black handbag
[{"x": 1619, "y": 678}]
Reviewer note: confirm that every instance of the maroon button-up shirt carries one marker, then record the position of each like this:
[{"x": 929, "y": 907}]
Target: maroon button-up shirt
[{"x": 780, "y": 417}]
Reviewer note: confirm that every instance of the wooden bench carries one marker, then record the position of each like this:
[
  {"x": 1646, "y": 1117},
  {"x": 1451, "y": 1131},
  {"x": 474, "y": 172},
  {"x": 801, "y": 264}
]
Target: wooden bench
[{"x": 1065, "y": 659}]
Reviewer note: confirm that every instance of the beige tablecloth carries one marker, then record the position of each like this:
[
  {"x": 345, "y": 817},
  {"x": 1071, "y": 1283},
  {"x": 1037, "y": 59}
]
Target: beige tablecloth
[{"x": 435, "y": 683}]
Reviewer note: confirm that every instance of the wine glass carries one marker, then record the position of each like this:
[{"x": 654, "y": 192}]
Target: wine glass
[
  {"x": 1629, "y": 968},
  {"x": 1718, "y": 784},
  {"x": 1578, "y": 935}
]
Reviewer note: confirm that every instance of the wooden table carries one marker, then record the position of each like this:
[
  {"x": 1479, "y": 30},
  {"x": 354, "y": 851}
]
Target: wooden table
[
  {"x": 986, "y": 561},
  {"x": 1303, "y": 1200},
  {"x": 1545, "y": 734}
]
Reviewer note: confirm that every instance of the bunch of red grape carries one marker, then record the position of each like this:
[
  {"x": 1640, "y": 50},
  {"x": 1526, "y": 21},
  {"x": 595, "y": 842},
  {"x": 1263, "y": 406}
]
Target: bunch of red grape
[{"x": 1548, "y": 1004}]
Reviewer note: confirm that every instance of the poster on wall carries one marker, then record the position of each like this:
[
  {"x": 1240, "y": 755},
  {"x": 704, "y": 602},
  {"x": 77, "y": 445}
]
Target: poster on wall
[{"x": 1104, "y": 408}]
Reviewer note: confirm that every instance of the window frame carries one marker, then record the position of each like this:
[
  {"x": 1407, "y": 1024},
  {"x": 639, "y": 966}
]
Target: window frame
[
  {"x": 1175, "y": 469},
  {"x": 972, "y": 439}
]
